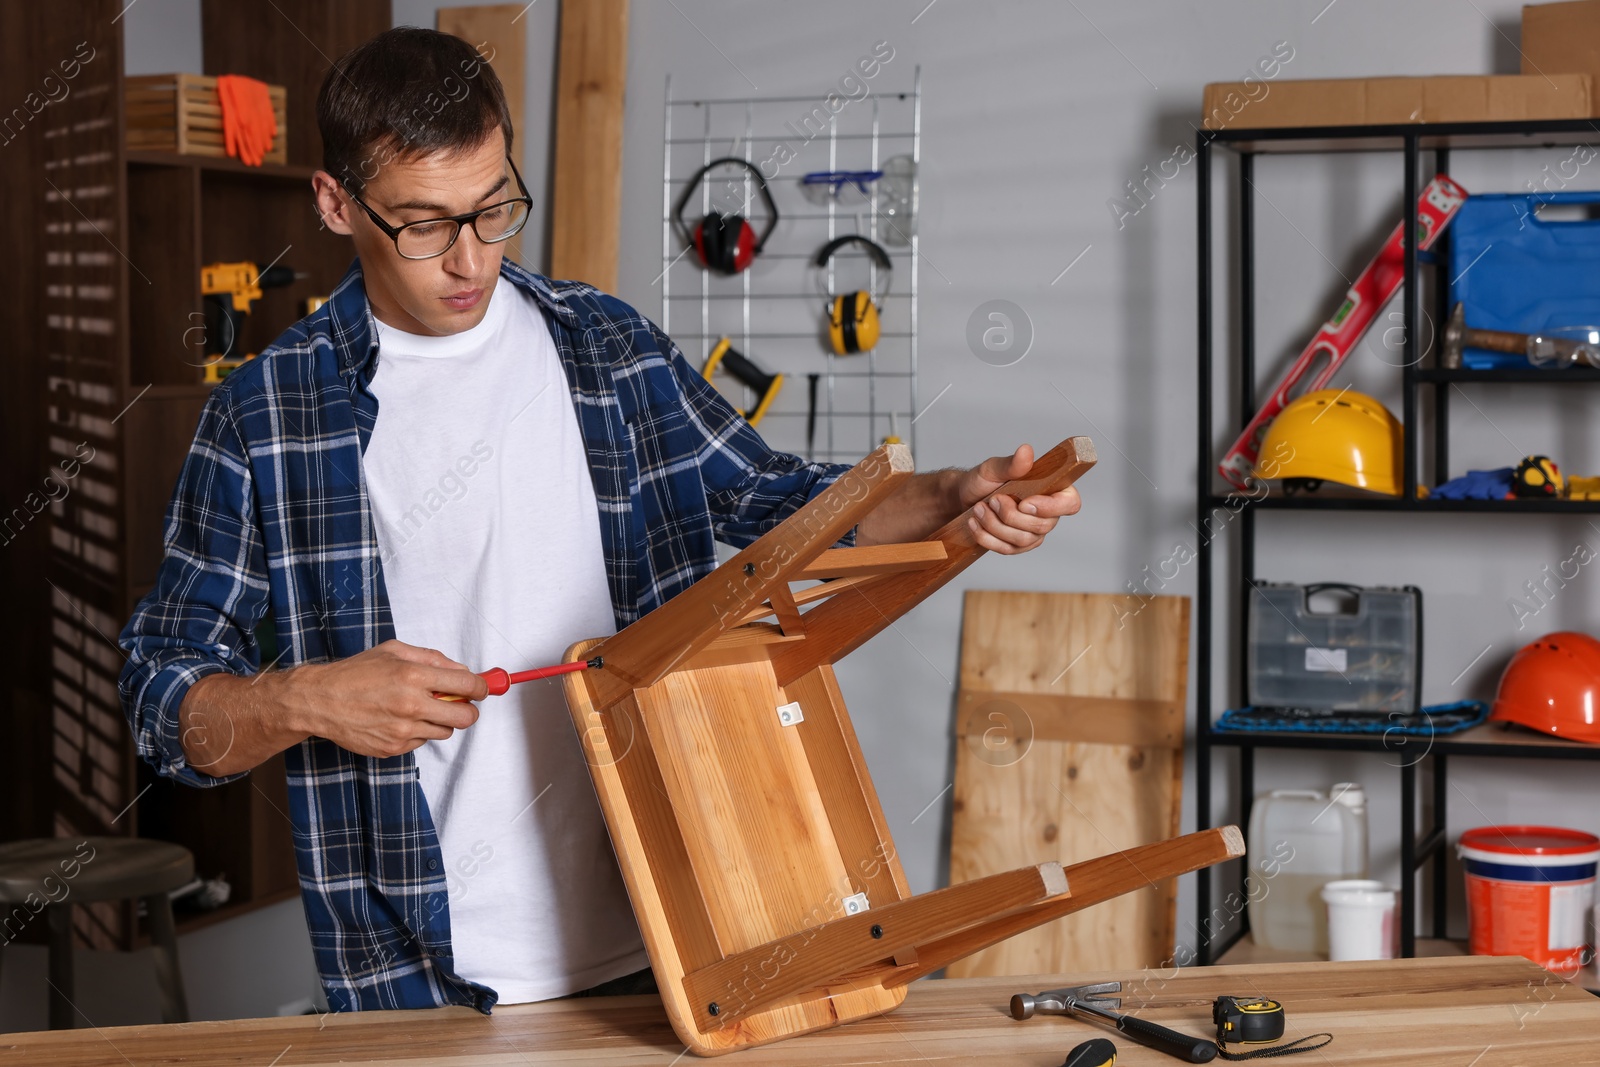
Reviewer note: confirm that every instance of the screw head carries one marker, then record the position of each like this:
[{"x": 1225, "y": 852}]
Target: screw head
[
  {"x": 712, "y": 1009},
  {"x": 877, "y": 931},
  {"x": 750, "y": 569}
]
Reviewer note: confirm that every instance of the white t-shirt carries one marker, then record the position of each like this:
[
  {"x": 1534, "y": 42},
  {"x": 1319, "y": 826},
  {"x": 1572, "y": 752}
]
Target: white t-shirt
[{"x": 490, "y": 540}]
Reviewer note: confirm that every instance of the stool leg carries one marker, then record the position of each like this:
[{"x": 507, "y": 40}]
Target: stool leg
[
  {"x": 62, "y": 1013},
  {"x": 174, "y": 1005}
]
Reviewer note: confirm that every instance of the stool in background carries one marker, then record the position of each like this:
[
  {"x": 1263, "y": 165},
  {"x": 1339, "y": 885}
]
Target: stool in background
[{"x": 57, "y": 871}]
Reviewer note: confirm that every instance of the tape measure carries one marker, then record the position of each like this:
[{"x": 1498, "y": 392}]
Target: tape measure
[
  {"x": 1096, "y": 1052},
  {"x": 1247, "y": 1019},
  {"x": 1255, "y": 1020}
]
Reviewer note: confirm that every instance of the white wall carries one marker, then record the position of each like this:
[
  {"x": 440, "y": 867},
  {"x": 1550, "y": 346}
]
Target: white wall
[{"x": 1035, "y": 115}]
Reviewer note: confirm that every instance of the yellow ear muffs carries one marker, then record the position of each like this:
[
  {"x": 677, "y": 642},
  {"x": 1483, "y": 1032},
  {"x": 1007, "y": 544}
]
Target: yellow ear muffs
[
  {"x": 853, "y": 317},
  {"x": 853, "y": 323}
]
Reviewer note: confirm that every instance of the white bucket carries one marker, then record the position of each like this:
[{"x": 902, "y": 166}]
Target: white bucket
[{"x": 1361, "y": 920}]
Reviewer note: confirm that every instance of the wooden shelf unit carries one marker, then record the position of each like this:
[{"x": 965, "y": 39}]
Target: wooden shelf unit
[
  {"x": 1236, "y": 372},
  {"x": 108, "y": 364}
]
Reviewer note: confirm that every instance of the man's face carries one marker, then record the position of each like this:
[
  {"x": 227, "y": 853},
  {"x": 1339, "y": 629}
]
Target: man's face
[{"x": 448, "y": 293}]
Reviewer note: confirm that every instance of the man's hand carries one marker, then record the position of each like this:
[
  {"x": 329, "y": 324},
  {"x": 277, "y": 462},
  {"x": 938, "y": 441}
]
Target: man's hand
[
  {"x": 377, "y": 703},
  {"x": 1002, "y": 523},
  {"x": 999, "y": 523},
  {"x": 380, "y": 702}
]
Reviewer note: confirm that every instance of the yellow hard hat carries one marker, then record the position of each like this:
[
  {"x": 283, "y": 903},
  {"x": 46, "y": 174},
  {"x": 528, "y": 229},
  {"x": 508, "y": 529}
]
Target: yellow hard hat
[{"x": 1334, "y": 435}]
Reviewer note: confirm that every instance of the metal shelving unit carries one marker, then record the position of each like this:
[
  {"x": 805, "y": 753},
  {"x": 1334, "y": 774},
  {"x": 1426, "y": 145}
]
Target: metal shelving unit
[
  {"x": 773, "y": 312},
  {"x": 1415, "y": 754}
]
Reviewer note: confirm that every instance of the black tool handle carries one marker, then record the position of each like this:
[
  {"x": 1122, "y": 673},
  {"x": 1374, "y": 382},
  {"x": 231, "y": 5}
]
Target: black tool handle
[
  {"x": 1186, "y": 1048},
  {"x": 746, "y": 372},
  {"x": 275, "y": 276}
]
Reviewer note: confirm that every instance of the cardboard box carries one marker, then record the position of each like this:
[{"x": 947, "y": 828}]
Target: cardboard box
[
  {"x": 1561, "y": 38},
  {"x": 1395, "y": 101}
]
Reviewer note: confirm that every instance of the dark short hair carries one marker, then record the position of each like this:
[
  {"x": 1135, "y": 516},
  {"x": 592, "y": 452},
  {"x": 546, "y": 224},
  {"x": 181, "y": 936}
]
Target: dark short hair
[{"x": 405, "y": 93}]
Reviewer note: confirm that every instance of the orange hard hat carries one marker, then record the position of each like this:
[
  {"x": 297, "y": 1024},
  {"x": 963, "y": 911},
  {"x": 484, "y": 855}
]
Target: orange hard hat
[{"x": 1553, "y": 686}]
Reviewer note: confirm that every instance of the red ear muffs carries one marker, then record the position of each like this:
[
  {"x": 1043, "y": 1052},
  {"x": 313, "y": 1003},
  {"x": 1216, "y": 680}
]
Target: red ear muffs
[{"x": 726, "y": 242}]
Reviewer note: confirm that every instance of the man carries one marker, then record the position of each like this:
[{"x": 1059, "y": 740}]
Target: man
[{"x": 454, "y": 464}]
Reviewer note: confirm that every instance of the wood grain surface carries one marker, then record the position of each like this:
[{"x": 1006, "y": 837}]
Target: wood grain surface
[
  {"x": 586, "y": 188},
  {"x": 1069, "y": 744},
  {"x": 644, "y": 652},
  {"x": 725, "y": 840},
  {"x": 1463, "y": 1012},
  {"x": 501, "y": 37}
]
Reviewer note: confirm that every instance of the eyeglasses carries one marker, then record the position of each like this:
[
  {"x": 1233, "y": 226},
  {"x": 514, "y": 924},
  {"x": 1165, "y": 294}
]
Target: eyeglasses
[{"x": 427, "y": 238}]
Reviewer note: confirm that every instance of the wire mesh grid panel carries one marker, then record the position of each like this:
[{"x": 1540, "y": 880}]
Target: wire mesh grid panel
[{"x": 828, "y": 407}]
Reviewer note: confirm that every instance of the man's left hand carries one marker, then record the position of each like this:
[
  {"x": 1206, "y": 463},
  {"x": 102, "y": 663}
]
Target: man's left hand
[{"x": 1001, "y": 523}]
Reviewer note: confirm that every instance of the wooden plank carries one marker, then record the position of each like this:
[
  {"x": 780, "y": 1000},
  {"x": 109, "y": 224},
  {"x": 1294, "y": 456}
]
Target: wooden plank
[
  {"x": 1093, "y": 882},
  {"x": 1062, "y": 717},
  {"x": 845, "y": 623},
  {"x": 644, "y": 652},
  {"x": 875, "y": 559},
  {"x": 644, "y": 828},
  {"x": 812, "y": 956},
  {"x": 586, "y": 189},
  {"x": 1072, "y": 785},
  {"x": 746, "y": 803},
  {"x": 1491, "y": 1011},
  {"x": 854, "y": 811},
  {"x": 501, "y": 37}
]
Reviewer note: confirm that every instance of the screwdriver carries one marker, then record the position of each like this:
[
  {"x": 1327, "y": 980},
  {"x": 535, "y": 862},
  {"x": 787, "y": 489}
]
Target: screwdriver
[{"x": 499, "y": 680}]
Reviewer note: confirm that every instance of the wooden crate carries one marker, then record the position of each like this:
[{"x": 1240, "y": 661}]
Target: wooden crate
[{"x": 181, "y": 113}]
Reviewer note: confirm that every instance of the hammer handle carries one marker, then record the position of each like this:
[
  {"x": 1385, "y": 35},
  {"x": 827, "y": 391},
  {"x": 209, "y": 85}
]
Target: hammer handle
[
  {"x": 1186, "y": 1048},
  {"x": 1495, "y": 340}
]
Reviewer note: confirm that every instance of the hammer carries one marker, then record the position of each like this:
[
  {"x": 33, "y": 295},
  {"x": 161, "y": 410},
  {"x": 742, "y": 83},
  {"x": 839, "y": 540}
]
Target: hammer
[
  {"x": 1458, "y": 335},
  {"x": 1086, "y": 1000}
]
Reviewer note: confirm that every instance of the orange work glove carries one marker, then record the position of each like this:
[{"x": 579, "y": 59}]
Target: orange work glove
[
  {"x": 249, "y": 126},
  {"x": 264, "y": 125},
  {"x": 230, "y": 116}
]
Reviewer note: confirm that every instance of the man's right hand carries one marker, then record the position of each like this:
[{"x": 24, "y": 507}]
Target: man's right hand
[
  {"x": 377, "y": 703},
  {"x": 381, "y": 702}
]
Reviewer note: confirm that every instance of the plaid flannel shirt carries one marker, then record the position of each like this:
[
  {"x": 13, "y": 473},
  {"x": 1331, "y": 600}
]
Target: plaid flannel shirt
[{"x": 271, "y": 513}]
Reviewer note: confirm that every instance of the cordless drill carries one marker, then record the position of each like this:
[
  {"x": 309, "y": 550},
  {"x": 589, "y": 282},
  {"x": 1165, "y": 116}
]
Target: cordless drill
[{"x": 229, "y": 290}]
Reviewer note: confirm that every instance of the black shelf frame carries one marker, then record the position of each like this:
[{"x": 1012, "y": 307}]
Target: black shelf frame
[{"x": 1412, "y": 141}]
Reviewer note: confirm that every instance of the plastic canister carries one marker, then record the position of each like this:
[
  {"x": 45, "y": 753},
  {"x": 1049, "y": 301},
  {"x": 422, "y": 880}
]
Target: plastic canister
[
  {"x": 1352, "y": 796},
  {"x": 1299, "y": 841},
  {"x": 1529, "y": 891}
]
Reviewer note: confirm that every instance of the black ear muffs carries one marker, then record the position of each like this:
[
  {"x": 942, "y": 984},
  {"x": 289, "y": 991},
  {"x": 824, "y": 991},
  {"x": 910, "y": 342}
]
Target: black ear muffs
[
  {"x": 853, "y": 317},
  {"x": 726, "y": 242}
]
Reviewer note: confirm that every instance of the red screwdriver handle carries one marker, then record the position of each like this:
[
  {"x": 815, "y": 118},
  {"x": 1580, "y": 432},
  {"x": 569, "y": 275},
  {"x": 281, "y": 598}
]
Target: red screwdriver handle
[{"x": 499, "y": 681}]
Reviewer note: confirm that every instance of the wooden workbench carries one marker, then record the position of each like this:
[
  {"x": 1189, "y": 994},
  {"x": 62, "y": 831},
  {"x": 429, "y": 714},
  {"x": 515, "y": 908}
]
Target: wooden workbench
[{"x": 1448, "y": 1012}]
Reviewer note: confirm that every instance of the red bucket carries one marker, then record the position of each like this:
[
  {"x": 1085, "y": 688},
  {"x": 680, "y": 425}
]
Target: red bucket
[{"x": 1529, "y": 890}]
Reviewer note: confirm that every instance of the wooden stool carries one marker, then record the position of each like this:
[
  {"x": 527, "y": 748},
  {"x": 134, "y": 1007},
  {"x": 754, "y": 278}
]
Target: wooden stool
[
  {"x": 749, "y": 833},
  {"x": 64, "y": 871}
]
